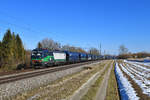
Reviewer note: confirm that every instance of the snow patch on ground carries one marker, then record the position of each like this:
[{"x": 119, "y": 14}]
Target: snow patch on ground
[
  {"x": 137, "y": 64},
  {"x": 141, "y": 73},
  {"x": 131, "y": 93},
  {"x": 141, "y": 81}
]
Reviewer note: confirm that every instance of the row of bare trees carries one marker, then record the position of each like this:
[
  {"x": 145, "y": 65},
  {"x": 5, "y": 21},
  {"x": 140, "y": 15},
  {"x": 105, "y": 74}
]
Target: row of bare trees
[
  {"x": 124, "y": 53},
  {"x": 53, "y": 45}
]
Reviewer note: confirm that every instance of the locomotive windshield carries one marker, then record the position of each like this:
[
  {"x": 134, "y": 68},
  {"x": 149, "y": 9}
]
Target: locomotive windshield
[{"x": 36, "y": 54}]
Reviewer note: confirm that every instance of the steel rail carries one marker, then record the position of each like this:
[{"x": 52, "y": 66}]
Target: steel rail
[{"x": 41, "y": 72}]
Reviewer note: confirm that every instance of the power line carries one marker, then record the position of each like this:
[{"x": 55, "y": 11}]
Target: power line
[
  {"x": 100, "y": 48},
  {"x": 24, "y": 26},
  {"x": 27, "y": 27}
]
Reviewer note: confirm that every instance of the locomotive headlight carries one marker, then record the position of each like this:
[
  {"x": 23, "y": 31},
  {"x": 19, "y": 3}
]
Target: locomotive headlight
[
  {"x": 50, "y": 58},
  {"x": 38, "y": 54}
]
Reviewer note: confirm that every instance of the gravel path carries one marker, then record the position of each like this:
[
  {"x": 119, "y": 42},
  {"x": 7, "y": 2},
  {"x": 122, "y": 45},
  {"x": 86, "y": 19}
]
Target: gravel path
[
  {"x": 9, "y": 90},
  {"x": 85, "y": 87},
  {"x": 101, "y": 94}
]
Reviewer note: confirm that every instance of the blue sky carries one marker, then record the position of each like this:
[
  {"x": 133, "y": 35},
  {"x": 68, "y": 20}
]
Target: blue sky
[{"x": 84, "y": 23}]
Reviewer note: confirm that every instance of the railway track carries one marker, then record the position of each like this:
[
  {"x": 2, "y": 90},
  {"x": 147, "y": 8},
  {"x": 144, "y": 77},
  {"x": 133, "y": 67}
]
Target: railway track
[{"x": 40, "y": 72}]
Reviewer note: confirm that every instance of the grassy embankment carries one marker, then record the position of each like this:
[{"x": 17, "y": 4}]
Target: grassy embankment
[
  {"x": 62, "y": 88},
  {"x": 90, "y": 95},
  {"x": 112, "y": 88}
]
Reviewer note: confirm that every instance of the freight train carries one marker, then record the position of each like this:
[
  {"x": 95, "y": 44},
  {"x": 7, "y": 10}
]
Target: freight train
[{"x": 44, "y": 58}]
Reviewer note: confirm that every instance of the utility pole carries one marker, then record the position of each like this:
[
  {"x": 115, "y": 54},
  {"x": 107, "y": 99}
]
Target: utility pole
[
  {"x": 100, "y": 48},
  {"x": 104, "y": 54}
]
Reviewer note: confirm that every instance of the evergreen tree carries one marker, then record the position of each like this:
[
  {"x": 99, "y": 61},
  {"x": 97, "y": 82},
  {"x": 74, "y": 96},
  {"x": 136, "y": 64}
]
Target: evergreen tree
[
  {"x": 12, "y": 51},
  {"x": 7, "y": 47},
  {"x": 0, "y": 54},
  {"x": 14, "y": 47},
  {"x": 0, "y": 48},
  {"x": 20, "y": 48},
  {"x": 39, "y": 45}
]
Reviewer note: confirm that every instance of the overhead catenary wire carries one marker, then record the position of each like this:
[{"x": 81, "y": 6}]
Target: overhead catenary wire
[
  {"x": 27, "y": 27},
  {"x": 24, "y": 25}
]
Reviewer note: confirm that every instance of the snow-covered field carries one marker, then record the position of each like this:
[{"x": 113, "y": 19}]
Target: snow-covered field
[
  {"x": 126, "y": 90},
  {"x": 139, "y": 73},
  {"x": 147, "y": 65}
]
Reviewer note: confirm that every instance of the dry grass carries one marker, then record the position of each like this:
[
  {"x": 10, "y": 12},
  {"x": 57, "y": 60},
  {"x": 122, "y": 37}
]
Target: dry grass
[
  {"x": 112, "y": 88},
  {"x": 8, "y": 68},
  {"x": 94, "y": 88}
]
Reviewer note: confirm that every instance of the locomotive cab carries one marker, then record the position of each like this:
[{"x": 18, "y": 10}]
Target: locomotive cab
[
  {"x": 40, "y": 57},
  {"x": 36, "y": 57}
]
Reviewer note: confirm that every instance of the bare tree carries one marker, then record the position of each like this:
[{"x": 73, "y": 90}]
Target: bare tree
[
  {"x": 79, "y": 49},
  {"x": 73, "y": 48},
  {"x": 123, "y": 50},
  {"x": 94, "y": 51},
  {"x": 50, "y": 44},
  {"x": 66, "y": 47}
]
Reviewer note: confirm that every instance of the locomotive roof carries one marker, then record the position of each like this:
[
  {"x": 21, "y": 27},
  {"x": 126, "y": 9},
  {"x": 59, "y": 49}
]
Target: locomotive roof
[{"x": 41, "y": 49}]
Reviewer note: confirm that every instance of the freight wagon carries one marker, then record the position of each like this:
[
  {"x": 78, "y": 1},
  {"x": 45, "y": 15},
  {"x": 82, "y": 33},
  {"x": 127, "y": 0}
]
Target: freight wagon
[
  {"x": 72, "y": 57},
  {"x": 89, "y": 57},
  {"x": 82, "y": 57}
]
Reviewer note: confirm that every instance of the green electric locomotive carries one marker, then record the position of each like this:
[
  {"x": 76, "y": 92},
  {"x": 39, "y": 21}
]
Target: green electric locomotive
[{"x": 43, "y": 57}]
